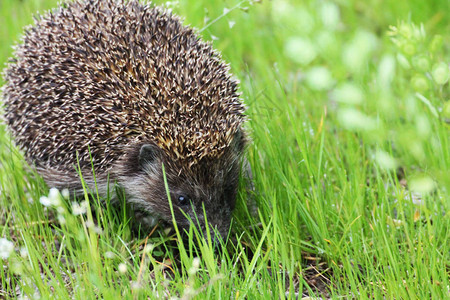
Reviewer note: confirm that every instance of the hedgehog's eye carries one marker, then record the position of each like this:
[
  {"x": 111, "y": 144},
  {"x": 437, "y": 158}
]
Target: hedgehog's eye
[{"x": 183, "y": 200}]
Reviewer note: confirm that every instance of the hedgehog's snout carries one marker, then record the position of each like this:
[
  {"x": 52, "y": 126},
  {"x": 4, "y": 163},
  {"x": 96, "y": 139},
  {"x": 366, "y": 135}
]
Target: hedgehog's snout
[
  {"x": 218, "y": 221},
  {"x": 208, "y": 219}
]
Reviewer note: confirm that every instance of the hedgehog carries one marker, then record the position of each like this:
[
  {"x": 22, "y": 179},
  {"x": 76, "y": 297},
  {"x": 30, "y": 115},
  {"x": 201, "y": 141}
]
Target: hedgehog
[{"x": 124, "y": 94}]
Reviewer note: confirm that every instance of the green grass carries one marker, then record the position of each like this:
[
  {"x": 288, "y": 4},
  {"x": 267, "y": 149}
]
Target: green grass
[{"x": 349, "y": 116}]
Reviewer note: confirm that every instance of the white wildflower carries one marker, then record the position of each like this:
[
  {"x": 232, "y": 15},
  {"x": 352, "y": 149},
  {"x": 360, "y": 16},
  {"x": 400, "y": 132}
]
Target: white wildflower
[
  {"x": 61, "y": 219},
  {"x": 300, "y": 50},
  {"x": 195, "y": 266},
  {"x": 358, "y": 52},
  {"x": 422, "y": 184},
  {"x": 319, "y": 79},
  {"x": 24, "y": 252},
  {"x": 122, "y": 268},
  {"x": 98, "y": 230},
  {"x": 6, "y": 247},
  {"x": 135, "y": 285},
  {"x": 330, "y": 15},
  {"x": 54, "y": 196},
  {"x": 196, "y": 262},
  {"x": 65, "y": 193},
  {"x": 353, "y": 119},
  {"x": 44, "y": 200},
  {"x": 79, "y": 208},
  {"x": 385, "y": 160},
  {"x": 386, "y": 71},
  {"x": 348, "y": 93}
]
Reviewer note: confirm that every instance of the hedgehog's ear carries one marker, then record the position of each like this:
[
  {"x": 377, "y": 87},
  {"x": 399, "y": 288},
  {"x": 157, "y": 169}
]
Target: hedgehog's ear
[{"x": 148, "y": 154}]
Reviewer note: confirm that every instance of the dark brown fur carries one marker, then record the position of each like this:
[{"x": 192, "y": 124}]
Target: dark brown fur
[{"x": 135, "y": 89}]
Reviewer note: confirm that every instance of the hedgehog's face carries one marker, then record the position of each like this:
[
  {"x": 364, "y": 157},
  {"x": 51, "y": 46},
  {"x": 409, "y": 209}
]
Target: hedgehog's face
[{"x": 209, "y": 190}]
